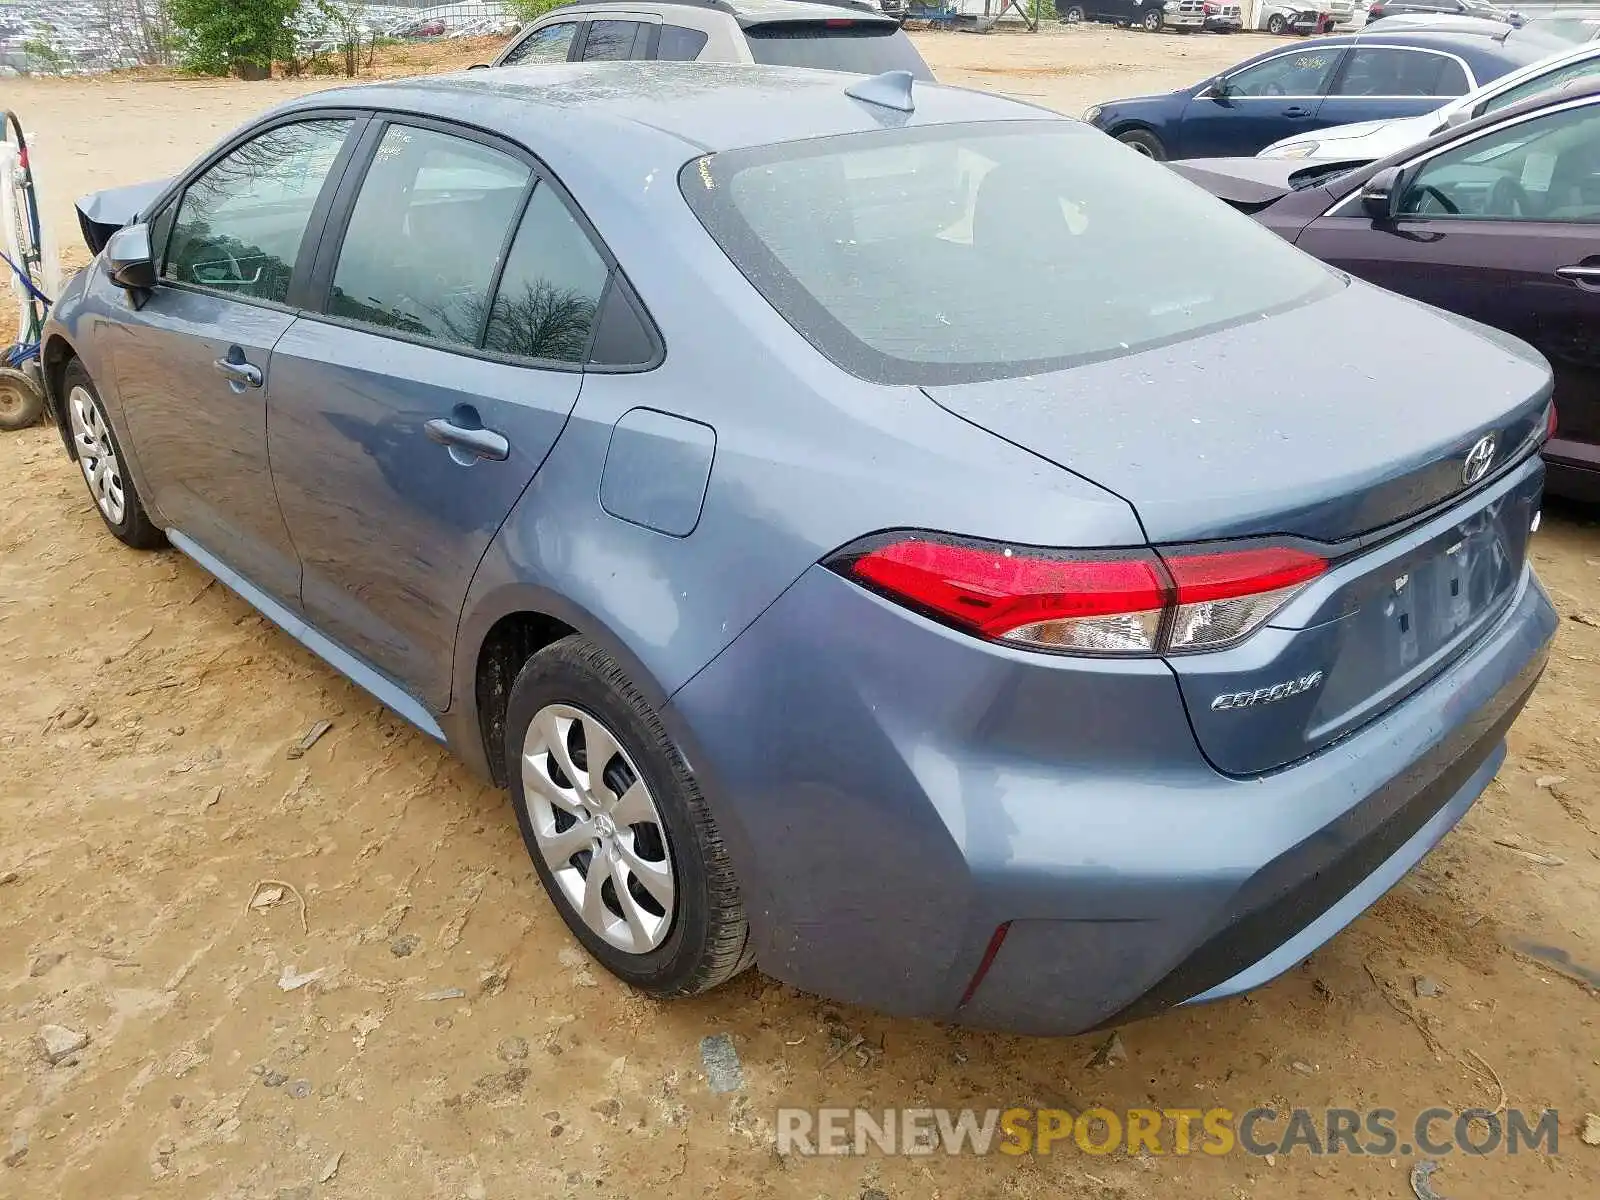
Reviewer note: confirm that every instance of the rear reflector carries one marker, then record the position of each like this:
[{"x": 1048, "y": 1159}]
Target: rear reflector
[
  {"x": 1550, "y": 421},
  {"x": 1121, "y": 602}
]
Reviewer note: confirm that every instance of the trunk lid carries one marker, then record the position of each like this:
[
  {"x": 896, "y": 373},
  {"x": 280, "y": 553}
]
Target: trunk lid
[
  {"x": 1324, "y": 422},
  {"x": 1277, "y": 429}
]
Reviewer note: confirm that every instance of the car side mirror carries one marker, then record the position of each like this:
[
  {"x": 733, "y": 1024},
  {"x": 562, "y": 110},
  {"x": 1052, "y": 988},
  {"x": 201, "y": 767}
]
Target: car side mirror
[
  {"x": 1220, "y": 88},
  {"x": 1458, "y": 118},
  {"x": 1380, "y": 195},
  {"x": 129, "y": 260},
  {"x": 478, "y": 67}
]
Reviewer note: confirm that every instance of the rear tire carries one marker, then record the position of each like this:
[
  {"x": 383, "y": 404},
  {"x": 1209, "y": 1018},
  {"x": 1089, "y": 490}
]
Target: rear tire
[
  {"x": 94, "y": 445},
  {"x": 1072, "y": 14},
  {"x": 21, "y": 403},
  {"x": 665, "y": 913},
  {"x": 1144, "y": 142},
  {"x": 1276, "y": 24}
]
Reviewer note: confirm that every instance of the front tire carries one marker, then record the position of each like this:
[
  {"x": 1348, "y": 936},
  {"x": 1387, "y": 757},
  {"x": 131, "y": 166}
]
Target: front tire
[
  {"x": 1151, "y": 21},
  {"x": 626, "y": 848},
  {"x": 1276, "y": 24},
  {"x": 99, "y": 456},
  {"x": 1145, "y": 142},
  {"x": 1072, "y": 14}
]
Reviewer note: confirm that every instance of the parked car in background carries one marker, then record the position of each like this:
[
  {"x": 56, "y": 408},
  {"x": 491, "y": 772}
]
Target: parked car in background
[
  {"x": 1568, "y": 24},
  {"x": 1379, "y": 9},
  {"x": 1368, "y": 140},
  {"x": 1303, "y": 18},
  {"x": 1032, "y": 610},
  {"x": 1495, "y": 220},
  {"x": 1149, "y": 15},
  {"x": 834, "y": 36},
  {"x": 1296, "y": 89}
]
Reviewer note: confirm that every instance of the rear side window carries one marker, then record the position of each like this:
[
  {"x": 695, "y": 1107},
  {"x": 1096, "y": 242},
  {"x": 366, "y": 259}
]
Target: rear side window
[
  {"x": 550, "y": 44},
  {"x": 551, "y": 288},
  {"x": 960, "y": 253},
  {"x": 837, "y": 44},
  {"x": 612, "y": 40},
  {"x": 1548, "y": 82},
  {"x": 1385, "y": 71},
  {"x": 679, "y": 44},
  {"x": 425, "y": 238},
  {"x": 239, "y": 225}
]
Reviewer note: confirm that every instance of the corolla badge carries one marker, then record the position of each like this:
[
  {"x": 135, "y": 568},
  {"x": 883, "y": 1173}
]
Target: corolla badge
[
  {"x": 1266, "y": 695},
  {"x": 1478, "y": 460}
]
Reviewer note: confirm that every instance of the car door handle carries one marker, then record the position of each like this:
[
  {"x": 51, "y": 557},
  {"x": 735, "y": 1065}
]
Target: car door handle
[
  {"x": 1294, "y": 110},
  {"x": 239, "y": 372},
  {"x": 1584, "y": 275},
  {"x": 479, "y": 443}
]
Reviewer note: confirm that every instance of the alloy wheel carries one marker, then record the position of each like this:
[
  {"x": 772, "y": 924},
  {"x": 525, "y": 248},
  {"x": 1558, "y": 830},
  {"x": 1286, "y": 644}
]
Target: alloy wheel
[
  {"x": 598, "y": 828},
  {"x": 96, "y": 454},
  {"x": 1152, "y": 21}
]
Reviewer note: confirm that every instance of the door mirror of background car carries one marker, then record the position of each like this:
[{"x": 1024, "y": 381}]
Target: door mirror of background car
[
  {"x": 1456, "y": 119},
  {"x": 129, "y": 260},
  {"x": 1218, "y": 88},
  {"x": 1380, "y": 195}
]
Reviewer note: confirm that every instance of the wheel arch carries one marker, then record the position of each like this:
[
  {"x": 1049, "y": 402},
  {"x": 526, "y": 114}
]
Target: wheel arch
[
  {"x": 54, "y": 356},
  {"x": 497, "y": 637}
]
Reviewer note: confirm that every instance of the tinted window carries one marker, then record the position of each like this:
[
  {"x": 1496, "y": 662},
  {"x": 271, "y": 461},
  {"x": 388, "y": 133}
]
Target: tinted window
[
  {"x": 869, "y": 47},
  {"x": 1379, "y": 71},
  {"x": 609, "y": 40},
  {"x": 426, "y": 235},
  {"x": 239, "y": 225},
  {"x": 550, "y": 44},
  {"x": 1544, "y": 169},
  {"x": 1542, "y": 83},
  {"x": 967, "y": 252},
  {"x": 551, "y": 287},
  {"x": 679, "y": 44},
  {"x": 1303, "y": 73}
]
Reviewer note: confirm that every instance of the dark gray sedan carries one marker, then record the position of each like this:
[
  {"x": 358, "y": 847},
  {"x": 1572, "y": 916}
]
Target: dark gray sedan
[{"x": 890, "y": 533}]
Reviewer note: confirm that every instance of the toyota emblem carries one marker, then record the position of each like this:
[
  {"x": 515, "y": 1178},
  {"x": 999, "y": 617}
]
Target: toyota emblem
[{"x": 1478, "y": 460}]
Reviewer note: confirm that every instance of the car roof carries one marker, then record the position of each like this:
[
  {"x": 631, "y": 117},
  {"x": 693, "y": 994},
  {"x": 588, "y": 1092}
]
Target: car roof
[
  {"x": 708, "y": 106},
  {"x": 744, "y": 11}
]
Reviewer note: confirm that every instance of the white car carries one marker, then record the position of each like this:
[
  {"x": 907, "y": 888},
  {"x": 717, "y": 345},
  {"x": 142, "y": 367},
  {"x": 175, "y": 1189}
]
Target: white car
[{"x": 1369, "y": 140}]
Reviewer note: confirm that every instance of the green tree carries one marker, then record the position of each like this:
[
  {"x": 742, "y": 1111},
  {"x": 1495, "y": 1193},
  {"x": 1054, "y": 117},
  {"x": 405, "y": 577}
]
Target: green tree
[
  {"x": 239, "y": 37},
  {"x": 527, "y": 10}
]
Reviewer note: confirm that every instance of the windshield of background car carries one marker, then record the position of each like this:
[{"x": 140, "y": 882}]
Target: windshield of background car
[
  {"x": 958, "y": 253},
  {"x": 836, "y": 44}
]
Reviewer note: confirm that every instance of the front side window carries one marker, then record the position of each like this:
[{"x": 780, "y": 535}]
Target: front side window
[
  {"x": 550, "y": 44},
  {"x": 609, "y": 41},
  {"x": 1548, "y": 82},
  {"x": 966, "y": 252},
  {"x": 1303, "y": 73},
  {"x": 238, "y": 227},
  {"x": 551, "y": 287},
  {"x": 1385, "y": 71},
  {"x": 425, "y": 237},
  {"x": 1543, "y": 169}
]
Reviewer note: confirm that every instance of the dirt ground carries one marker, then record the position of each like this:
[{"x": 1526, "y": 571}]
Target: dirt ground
[{"x": 146, "y": 793}]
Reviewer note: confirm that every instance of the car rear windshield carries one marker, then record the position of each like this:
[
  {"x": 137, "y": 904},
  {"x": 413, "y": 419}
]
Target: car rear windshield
[
  {"x": 836, "y": 44},
  {"x": 957, "y": 253}
]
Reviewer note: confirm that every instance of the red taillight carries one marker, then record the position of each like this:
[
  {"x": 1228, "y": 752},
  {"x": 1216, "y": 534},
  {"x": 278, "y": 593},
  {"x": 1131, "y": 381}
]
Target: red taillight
[
  {"x": 836, "y": 23},
  {"x": 1122, "y": 602},
  {"x": 1550, "y": 421}
]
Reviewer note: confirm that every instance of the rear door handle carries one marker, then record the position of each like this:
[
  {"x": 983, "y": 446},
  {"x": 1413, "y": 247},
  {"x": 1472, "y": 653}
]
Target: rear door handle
[
  {"x": 237, "y": 371},
  {"x": 478, "y": 443},
  {"x": 1294, "y": 110}
]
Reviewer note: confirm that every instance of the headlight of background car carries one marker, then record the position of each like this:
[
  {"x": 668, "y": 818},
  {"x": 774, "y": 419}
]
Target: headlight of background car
[
  {"x": 1092, "y": 113},
  {"x": 1292, "y": 150}
]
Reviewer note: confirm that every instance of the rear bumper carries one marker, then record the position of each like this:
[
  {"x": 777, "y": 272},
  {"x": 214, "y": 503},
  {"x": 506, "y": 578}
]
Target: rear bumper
[{"x": 892, "y": 792}]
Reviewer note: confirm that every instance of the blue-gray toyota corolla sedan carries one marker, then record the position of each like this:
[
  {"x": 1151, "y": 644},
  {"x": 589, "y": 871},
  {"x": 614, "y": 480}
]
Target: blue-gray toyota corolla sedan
[{"x": 888, "y": 533}]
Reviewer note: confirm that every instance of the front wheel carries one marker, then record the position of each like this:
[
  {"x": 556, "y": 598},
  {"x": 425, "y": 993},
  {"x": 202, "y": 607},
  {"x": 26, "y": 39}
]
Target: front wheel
[
  {"x": 1072, "y": 14},
  {"x": 1151, "y": 21},
  {"x": 1144, "y": 142},
  {"x": 1276, "y": 24},
  {"x": 94, "y": 444},
  {"x": 619, "y": 833}
]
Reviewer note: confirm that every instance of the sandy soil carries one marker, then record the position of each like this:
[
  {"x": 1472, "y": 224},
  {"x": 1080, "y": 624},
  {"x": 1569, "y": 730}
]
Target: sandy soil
[{"x": 146, "y": 792}]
